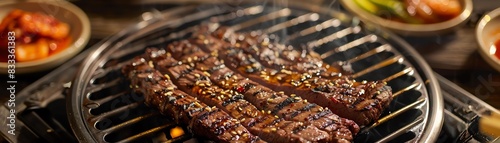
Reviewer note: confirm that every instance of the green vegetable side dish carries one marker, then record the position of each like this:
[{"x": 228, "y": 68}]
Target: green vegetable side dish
[
  {"x": 412, "y": 11},
  {"x": 368, "y": 6},
  {"x": 396, "y": 8}
]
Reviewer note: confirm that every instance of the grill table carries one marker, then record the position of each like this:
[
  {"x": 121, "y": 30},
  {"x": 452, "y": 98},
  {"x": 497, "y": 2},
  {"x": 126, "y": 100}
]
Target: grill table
[{"x": 49, "y": 88}]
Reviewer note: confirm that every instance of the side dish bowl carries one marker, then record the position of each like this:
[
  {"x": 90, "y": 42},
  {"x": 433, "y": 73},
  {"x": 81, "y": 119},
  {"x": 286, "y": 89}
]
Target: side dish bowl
[
  {"x": 63, "y": 11},
  {"x": 407, "y": 29},
  {"x": 487, "y": 34}
]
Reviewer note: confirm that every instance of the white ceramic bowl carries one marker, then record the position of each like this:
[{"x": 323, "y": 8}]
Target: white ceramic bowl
[
  {"x": 487, "y": 33},
  {"x": 411, "y": 29},
  {"x": 63, "y": 11}
]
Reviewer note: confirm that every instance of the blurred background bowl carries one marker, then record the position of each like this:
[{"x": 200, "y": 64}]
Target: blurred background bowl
[
  {"x": 487, "y": 34},
  {"x": 407, "y": 29},
  {"x": 65, "y": 12}
]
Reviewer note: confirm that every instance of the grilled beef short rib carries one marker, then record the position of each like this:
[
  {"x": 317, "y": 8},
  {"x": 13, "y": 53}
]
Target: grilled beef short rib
[
  {"x": 269, "y": 127},
  {"x": 362, "y": 102},
  {"x": 150, "y": 82},
  {"x": 203, "y": 120},
  {"x": 338, "y": 129},
  {"x": 239, "y": 74},
  {"x": 290, "y": 108}
]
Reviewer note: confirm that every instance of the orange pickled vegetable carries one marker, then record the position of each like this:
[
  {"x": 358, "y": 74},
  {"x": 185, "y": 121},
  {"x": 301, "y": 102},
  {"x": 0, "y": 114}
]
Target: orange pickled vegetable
[
  {"x": 32, "y": 51},
  {"x": 445, "y": 8},
  {"x": 421, "y": 10}
]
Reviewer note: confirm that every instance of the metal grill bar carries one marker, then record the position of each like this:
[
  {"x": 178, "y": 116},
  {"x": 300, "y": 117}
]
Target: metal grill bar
[
  {"x": 316, "y": 28},
  {"x": 357, "y": 42},
  {"x": 407, "y": 71},
  {"x": 292, "y": 22},
  {"x": 116, "y": 111},
  {"x": 239, "y": 13},
  {"x": 397, "y": 58},
  {"x": 98, "y": 87},
  {"x": 414, "y": 85},
  {"x": 385, "y": 47},
  {"x": 273, "y": 15},
  {"x": 178, "y": 139},
  {"x": 102, "y": 72},
  {"x": 109, "y": 98},
  {"x": 129, "y": 122},
  {"x": 393, "y": 114},
  {"x": 400, "y": 131},
  {"x": 146, "y": 133},
  {"x": 331, "y": 37}
]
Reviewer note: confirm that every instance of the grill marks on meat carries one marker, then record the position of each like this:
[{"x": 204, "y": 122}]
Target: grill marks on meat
[
  {"x": 159, "y": 92},
  {"x": 291, "y": 108},
  {"x": 264, "y": 86},
  {"x": 362, "y": 102},
  {"x": 269, "y": 127},
  {"x": 278, "y": 56}
]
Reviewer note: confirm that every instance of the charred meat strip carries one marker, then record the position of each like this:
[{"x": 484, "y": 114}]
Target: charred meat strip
[
  {"x": 291, "y": 108},
  {"x": 279, "y": 56},
  {"x": 268, "y": 127},
  {"x": 362, "y": 102},
  {"x": 278, "y": 103},
  {"x": 205, "y": 121}
]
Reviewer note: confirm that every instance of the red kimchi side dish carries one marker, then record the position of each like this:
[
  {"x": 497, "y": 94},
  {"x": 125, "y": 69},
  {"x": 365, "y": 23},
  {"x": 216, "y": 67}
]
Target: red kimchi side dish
[{"x": 37, "y": 35}]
